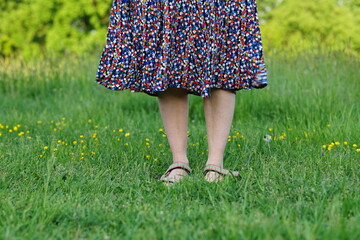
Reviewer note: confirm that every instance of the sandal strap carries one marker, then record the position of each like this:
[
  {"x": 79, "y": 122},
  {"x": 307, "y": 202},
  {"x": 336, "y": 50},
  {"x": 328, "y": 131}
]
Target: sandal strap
[
  {"x": 220, "y": 170},
  {"x": 176, "y": 165}
]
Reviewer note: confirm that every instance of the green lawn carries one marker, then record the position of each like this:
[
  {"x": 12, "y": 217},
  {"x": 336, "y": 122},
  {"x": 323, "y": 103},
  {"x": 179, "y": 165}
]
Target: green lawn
[{"x": 78, "y": 161}]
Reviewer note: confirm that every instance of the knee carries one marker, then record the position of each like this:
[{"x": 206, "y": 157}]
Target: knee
[{"x": 228, "y": 90}]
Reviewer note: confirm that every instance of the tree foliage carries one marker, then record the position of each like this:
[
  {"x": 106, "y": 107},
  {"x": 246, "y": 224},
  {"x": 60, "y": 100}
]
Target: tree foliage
[
  {"x": 34, "y": 27},
  {"x": 56, "y": 26},
  {"x": 296, "y": 24}
]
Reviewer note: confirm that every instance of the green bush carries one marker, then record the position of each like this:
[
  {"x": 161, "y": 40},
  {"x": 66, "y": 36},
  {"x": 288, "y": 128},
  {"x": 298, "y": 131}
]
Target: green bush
[
  {"x": 33, "y": 27},
  {"x": 37, "y": 27},
  {"x": 303, "y": 24}
]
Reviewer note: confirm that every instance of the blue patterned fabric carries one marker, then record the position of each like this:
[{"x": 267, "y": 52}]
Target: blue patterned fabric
[{"x": 191, "y": 44}]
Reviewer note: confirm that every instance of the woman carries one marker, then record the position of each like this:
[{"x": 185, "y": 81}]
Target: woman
[{"x": 172, "y": 48}]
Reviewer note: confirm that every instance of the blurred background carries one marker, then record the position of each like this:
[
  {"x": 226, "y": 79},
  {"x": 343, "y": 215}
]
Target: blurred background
[
  {"x": 31, "y": 28},
  {"x": 78, "y": 161}
]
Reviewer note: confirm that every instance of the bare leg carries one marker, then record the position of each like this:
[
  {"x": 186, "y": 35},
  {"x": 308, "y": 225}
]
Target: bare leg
[
  {"x": 219, "y": 111},
  {"x": 173, "y": 104}
]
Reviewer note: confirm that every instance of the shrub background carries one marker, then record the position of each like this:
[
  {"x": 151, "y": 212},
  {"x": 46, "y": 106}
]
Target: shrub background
[{"x": 38, "y": 27}]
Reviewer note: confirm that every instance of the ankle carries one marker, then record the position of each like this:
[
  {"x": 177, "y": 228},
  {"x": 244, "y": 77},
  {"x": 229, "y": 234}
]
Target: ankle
[
  {"x": 182, "y": 160},
  {"x": 215, "y": 163}
]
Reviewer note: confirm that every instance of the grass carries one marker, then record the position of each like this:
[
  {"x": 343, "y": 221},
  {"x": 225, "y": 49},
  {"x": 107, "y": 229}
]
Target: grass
[{"x": 78, "y": 161}]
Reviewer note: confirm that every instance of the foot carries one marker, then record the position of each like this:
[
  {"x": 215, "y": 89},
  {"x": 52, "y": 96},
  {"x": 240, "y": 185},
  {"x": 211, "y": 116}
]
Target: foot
[
  {"x": 175, "y": 173},
  {"x": 215, "y": 173},
  {"x": 212, "y": 176}
]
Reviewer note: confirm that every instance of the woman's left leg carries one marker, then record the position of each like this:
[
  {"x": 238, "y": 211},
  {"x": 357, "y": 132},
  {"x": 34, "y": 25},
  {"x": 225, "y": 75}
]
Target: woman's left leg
[{"x": 219, "y": 111}]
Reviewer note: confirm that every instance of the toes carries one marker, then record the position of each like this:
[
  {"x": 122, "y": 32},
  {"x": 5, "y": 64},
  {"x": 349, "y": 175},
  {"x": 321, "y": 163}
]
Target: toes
[
  {"x": 213, "y": 177},
  {"x": 177, "y": 174}
]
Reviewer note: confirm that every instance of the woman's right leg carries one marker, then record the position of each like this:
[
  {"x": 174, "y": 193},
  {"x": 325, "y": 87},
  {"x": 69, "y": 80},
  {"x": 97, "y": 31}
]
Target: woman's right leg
[{"x": 174, "y": 108}]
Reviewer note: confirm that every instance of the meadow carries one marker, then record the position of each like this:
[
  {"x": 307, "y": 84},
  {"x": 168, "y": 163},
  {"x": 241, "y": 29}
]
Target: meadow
[{"x": 78, "y": 161}]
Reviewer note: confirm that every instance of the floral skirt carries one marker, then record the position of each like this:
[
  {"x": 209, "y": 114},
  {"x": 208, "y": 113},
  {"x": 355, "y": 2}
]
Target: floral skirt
[{"x": 191, "y": 44}]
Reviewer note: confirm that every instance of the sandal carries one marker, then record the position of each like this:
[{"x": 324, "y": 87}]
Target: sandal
[
  {"x": 164, "y": 178},
  {"x": 220, "y": 171}
]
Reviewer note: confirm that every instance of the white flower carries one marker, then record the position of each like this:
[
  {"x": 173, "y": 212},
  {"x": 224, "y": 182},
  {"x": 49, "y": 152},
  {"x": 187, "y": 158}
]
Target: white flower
[{"x": 267, "y": 138}]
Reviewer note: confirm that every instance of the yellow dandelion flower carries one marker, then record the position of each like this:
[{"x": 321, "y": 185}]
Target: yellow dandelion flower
[
  {"x": 146, "y": 139},
  {"x": 147, "y": 156},
  {"x": 155, "y": 159},
  {"x": 306, "y": 134},
  {"x": 121, "y": 130},
  {"x": 39, "y": 122},
  {"x": 89, "y": 121},
  {"x": 358, "y": 150},
  {"x": 96, "y": 126},
  {"x": 81, "y": 136},
  {"x": 270, "y": 129},
  {"x": 58, "y": 123},
  {"x": 160, "y": 145},
  {"x": 40, "y": 155},
  {"x": 337, "y": 143},
  {"x": 81, "y": 158},
  {"x": 83, "y": 147},
  {"x": 324, "y": 146},
  {"x": 10, "y": 130},
  {"x": 113, "y": 131},
  {"x": 202, "y": 153},
  {"x": 118, "y": 139},
  {"x": 28, "y": 137},
  {"x": 74, "y": 142},
  {"x": 1, "y": 126},
  {"x": 55, "y": 149},
  {"x": 346, "y": 143},
  {"x": 161, "y": 130},
  {"x": 15, "y": 128},
  {"x": 164, "y": 135},
  {"x": 229, "y": 139},
  {"x": 93, "y": 153},
  {"x": 147, "y": 144},
  {"x": 126, "y": 144},
  {"x": 354, "y": 145},
  {"x": 82, "y": 141},
  {"x": 329, "y": 148},
  {"x": 27, "y": 131},
  {"x": 46, "y": 147},
  {"x": 7, "y": 126},
  {"x": 127, "y": 134},
  {"x": 0, "y": 134},
  {"x": 82, "y": 154},
  {"x": 21, "y": 133},
  {"x": 55, "y": 129},
  {"x": 52, "y": 121},
  {"x": 238, "y": 145},
  {"x": 331, "y": 144}
]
